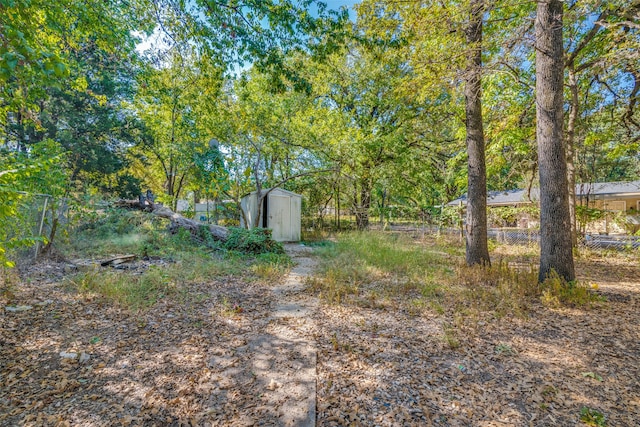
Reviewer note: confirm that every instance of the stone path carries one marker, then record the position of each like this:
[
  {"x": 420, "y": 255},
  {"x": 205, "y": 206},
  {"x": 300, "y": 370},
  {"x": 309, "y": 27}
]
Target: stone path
[{"x": 285, "y": 354}]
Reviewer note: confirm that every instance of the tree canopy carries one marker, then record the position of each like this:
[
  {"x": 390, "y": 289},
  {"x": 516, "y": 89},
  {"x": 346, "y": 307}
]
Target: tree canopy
[{"x": 400, "y": 107}]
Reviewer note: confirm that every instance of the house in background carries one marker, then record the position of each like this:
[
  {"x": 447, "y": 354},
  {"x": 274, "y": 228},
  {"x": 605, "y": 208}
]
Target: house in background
[
  {"x": 607, "y": 196},
  {"x": 512, "y": 198},
  {"x": 610, "y": 196}
]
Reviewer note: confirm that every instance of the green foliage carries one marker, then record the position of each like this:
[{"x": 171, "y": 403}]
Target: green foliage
[
  {"x": 21, "y": 176},
  {"x": 508, "y": 216},
  {"x": 134, "y": 292},
  {"x": 182, "y": 260},
  {"x": 254, "y": 241},
  {"x": 271, "y": 266},
  {"x": 450, "y": 216},
  {"x": 371, "y": 268},
  {"x": 585, "y": 214},
  {"x": 363, "y": 267},
  {"x": 112, "y": 221},
  {"x": 592, "y": 417}
]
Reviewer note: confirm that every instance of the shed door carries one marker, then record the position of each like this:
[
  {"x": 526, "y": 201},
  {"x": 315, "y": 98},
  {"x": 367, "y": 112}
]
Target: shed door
[{"x": 280, "y": 217}]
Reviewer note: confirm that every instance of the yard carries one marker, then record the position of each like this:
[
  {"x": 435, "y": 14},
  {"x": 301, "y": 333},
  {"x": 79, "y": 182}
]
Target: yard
[{"x": 403, "y": 334}]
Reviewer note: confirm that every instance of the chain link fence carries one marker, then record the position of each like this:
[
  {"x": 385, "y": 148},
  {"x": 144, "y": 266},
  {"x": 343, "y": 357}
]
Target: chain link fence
[
  {"x": 511, "y": 236},
  {"x": 37, "y": 215}
]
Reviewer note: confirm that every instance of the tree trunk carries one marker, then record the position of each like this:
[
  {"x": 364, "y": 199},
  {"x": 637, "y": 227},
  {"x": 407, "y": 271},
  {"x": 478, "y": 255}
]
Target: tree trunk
[
  {"x": 555, "y": 223},
  {"x": 177, "y": 221},
  {"x": 362, "y": 208},
  {"x": 477, "y": 249},
  {"x": 383, "y": 195},
  {"x": 570, "y": 144}
]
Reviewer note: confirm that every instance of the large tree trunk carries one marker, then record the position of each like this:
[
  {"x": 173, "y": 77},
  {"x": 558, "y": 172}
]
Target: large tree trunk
[
  {"x": 177, "y": 221},
  {"x": 477, "y": 250},
  {"x": 570, "y": 144},
  {"x": 555, "y": 223}
]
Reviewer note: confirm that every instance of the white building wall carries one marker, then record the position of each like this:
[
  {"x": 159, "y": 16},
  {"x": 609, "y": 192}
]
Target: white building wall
[{"x": 286, "y": 225}]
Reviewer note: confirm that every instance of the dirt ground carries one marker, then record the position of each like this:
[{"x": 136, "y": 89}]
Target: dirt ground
[
  {"x": 394, "y": 368},
  {"x": 190, "y": 363},
  {"x": 175, "y": 364}
]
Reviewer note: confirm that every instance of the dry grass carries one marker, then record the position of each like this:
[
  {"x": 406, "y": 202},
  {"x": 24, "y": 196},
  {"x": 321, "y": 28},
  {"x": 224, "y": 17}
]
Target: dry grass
[
  {"x": 428, "y": 273},
  {"x": 473, "y": 346}
]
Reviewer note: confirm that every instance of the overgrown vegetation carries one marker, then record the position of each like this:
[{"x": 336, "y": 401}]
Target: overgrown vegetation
[
  {"x": 254, "y": 241},
  {"x": 176, "y": 260},
  {"x": 419, "y": 273},
  {"x": 375, "y": 267}
]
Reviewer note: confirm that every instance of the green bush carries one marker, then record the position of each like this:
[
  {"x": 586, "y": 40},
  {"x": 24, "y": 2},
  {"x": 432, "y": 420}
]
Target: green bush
[{"x": 255, "y": 241}]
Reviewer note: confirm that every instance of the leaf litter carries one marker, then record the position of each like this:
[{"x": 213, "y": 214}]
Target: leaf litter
[{"x": 190, "y": 363}]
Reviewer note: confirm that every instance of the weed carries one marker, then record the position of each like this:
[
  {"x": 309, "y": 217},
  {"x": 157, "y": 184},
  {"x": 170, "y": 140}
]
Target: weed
[
  {"x": 229, "y": 309},
  {"x": 549, "y": 392},
  {"x": 449, "y": 337},
  {"x": 498, "y": 288},
  {"x": 8, "y": 283},
  {"x": 133, "y": 292},
  {"x": 556, "y": 292},
  {"x": 371, "y": 265},
  {"x": 592, "y": 417},
  {"x": 592, "y": 375},
  {"x": 505, "y": 349},
  {"x": 254, "y": 241},
  {"x": 334, "y": 342},
  {"x": 337, "y": 345},
  {"x": 271, "y": 266}
]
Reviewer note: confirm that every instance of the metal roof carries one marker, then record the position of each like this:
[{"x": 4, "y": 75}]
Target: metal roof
[
  {"x": 609, "y": 188},
  {"x": 515, "y": 197},
  {"x": 502, "y": 198}
]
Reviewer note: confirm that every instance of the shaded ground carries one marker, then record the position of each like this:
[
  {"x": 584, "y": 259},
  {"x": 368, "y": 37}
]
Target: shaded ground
[
  {"x": 390, "y": 366},
  {"x": 191, "y": 362},
  {"x": 184, "y": 363}
]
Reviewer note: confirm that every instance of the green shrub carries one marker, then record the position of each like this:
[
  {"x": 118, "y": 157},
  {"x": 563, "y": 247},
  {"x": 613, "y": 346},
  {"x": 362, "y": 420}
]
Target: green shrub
[
  {"x": 254, "y": 241},
  {"x": 592, "y": 417}
]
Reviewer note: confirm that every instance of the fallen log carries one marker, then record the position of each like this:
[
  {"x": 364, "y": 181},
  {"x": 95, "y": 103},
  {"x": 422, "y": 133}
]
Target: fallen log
[{"x": 177, "y": 221}]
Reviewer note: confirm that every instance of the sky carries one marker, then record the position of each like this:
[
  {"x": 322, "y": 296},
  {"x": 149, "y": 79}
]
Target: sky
[
  {"x": 331, "y": 4},
  {"x": 335, "y": 4}
]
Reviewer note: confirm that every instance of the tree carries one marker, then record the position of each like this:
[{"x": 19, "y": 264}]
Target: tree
[
  {"x": 372, "y": 118},
  {"x": 265, "y": 137},
  {"x": 555, "y": 226},
  {"x": 172, "y": 105},
  {"x": 477, "y": 249}
]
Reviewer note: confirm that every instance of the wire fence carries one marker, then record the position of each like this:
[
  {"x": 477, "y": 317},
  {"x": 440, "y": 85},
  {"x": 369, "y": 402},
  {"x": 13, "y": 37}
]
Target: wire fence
[
  {"x": 512, "y": 236},
  {"x": 37, "y": 215}
]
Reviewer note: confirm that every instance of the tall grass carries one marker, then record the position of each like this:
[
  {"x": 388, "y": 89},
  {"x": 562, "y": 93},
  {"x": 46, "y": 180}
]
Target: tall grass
[
  {"x": 182, "y": 260},
  {"x": 377, "y": 265},
  {"x": 134, "y": 292},
  {"x": 376, "y": 268}
]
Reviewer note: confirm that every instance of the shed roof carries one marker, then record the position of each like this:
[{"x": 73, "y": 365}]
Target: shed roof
[{"x": 279, "y": 190}]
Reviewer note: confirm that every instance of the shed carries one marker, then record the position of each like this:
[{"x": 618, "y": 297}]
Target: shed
[{"x": 281, "y": 212}]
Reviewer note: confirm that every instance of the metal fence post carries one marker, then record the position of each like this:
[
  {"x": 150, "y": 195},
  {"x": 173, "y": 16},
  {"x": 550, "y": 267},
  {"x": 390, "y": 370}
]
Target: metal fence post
[{"x": 44, "y": 213}]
